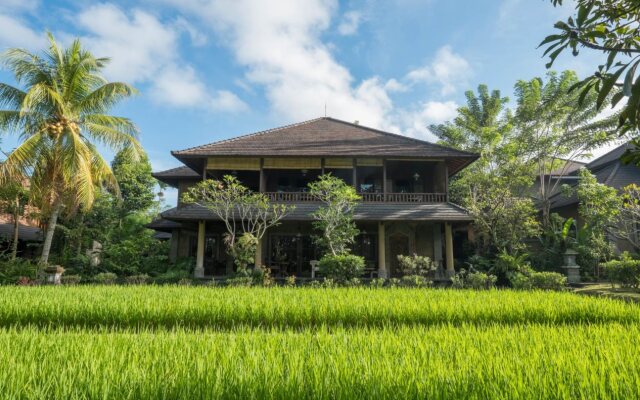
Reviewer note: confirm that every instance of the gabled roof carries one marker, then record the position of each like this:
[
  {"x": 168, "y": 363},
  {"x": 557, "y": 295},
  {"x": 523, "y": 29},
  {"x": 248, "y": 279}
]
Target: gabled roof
[
  {"x": 328, "y": 137},
  {"x": 570, "y": 167},
  {"x": 172, "y": 176},
  {"x": 609, "y": 170}
]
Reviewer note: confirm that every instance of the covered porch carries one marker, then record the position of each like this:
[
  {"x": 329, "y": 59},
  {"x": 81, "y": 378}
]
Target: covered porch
[{"x": 289, "y": 249}]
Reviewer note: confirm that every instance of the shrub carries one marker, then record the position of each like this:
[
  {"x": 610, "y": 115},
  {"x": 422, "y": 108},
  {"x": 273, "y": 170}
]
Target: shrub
[
  {"x": 342, "y": 267},
  {"x": 185, "y": 282},
  {"x": 13, "y": 270},
  {"x": 473, "y": 280},
  {"x": 326, "y": 283},
  {"x": 172, "y": 276},
  {"x": 70, "y": 279},
  {"x": 625, "y": 272},
  {"x": 290, "y": 281},
  {"x": 106, "y": 278},
  {"x": 416, "y": 281},
  {"x": 480, "y": 280},
  {"x": 415, "y": 265},
  {"x": 262, "y": 276},
  {"x": 377, "y": 282},
  {"x": 353, "y": 282},
  {"x": 539, "y": 280},
  {"x": 240, "y": 281},
  {"x": 141, "y": 279},
  {"x": 394, "y": 282}
]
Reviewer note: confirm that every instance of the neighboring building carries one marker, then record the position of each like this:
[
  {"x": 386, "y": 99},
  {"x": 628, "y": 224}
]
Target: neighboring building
[
  {"x": 608, "y": 170},
  {"x": 29, "y": 234},
  {"x": 403, "y": 183}
]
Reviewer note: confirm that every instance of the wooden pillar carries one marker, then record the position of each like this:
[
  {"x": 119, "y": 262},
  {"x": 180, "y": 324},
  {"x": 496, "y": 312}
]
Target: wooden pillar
[
  {"x": 446, "y": 181},
  {"x": 355, "y": 175},
  {"x": 263, "y": 181},
  {"x": 173, "y": 250},
  {"x": 384, "y": 180},
  {"x": 259, "y": 261},
  {"x": 448, "y": 241},
  {"x": 382, "y": 256},
  {"x": 199, "y": 271}
]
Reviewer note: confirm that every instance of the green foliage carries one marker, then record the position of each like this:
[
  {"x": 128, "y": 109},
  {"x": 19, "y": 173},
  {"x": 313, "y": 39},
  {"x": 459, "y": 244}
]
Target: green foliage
[
  {"x": 334, "y": 219},
  {"x": 11, "y": 271},
  {"x": 493, "y": 188},
  {"x": 473, "y": 280},
  {"x": 609, "y": 27},
  {"x": 342, "y": 267},
  {"x": 261, "y": 276},
  {"x": 172, "y": 276},
  {"x": 70, "y": 280},
  {"x": 135, "y": 255},
  {"x": 105, "y": 278},
  {"x": 539, "y": 280},
  {"x": 415, "y": 281},
  {"x": 415, "y": 265},
  {"x": 243, "y": 252},
  {"x": 141, "y": 279},
  {"x": 377, "y": 282},
  {"x": 290, "y": 281},
  {"x": 625, "y": 272},
  {"x": 240, "y": 281},
  {"x": 134, "y": 180},
  {"x": 507, "y": 266}
]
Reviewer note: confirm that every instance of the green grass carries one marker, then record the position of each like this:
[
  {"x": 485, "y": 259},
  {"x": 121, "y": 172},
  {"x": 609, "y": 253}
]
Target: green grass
[{"x": 181, "y": 342}]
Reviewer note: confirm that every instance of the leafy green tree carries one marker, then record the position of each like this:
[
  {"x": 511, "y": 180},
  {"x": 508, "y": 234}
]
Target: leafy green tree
[
  {"x": 335, "y": 217},
  {"x": 494, "y": 188},
  {"x": 136, "y": 184},
  {"x": 61, "y": 115},
  {"x": 611, "y": 28},
  {"x": 14, "y": 198},
  {"x": 600, "y": 209},
  {"x": 556, "y": 126}
]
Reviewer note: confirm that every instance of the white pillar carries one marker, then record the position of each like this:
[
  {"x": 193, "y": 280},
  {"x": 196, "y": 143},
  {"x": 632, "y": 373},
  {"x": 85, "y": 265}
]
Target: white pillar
[
  {"x": 448, "y": 242},
  {"x": 437, "y": 244},
  {"x": 199, "y": 271},
  {"x": 382, "y": 257}
]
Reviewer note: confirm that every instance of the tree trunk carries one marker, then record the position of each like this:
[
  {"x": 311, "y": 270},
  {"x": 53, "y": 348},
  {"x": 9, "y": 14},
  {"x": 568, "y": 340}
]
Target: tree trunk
[
  {"x": 46, "y": 247},
  {"x": 14, "y": 244}
]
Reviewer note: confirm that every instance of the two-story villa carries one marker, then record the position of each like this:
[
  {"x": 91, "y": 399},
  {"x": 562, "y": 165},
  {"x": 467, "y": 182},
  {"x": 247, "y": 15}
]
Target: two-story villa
[{"x": 403, "y": 183}]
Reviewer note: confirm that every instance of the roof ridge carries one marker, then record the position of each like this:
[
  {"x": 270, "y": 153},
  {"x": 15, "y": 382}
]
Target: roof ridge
[
  {"x": 399, "y": 135},
  {"x": 592, "y": 162},
  {"x": 175, "y": 169},
  {"x": 246, "y": 135}
]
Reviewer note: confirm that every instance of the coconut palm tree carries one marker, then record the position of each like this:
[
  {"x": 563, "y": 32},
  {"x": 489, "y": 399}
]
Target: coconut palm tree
[{"x": 61, "y": 116}]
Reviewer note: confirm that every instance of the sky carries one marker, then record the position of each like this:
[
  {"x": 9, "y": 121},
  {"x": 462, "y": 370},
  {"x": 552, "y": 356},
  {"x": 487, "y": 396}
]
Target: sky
[{"x": 212, "y": 69}]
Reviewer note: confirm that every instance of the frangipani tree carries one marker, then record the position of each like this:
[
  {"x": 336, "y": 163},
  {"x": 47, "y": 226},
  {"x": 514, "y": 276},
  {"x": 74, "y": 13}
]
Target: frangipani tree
[
  {"x": 246, "y": 215},
  {"x": 61, "y": 115}
]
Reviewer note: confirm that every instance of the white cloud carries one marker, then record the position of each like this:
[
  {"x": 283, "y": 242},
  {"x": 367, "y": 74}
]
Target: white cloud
[
  {"x": 350, "y": 22},
  {"x": 16, "y": 33},
  {"x": 144, "y": 50},
  {"x": 19, "y": 5},
  {"x": 281, "y": 49},
  {"x": 448, "y": 70},
  {"x": 416, "y": 122}
]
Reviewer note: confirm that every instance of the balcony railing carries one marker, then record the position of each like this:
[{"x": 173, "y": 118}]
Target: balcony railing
[{"x": 305, "y": 197}]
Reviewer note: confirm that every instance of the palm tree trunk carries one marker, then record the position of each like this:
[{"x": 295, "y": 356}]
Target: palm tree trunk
[
  {"x": 48, "y": 239},
  {"x": 14, "y": 244}
]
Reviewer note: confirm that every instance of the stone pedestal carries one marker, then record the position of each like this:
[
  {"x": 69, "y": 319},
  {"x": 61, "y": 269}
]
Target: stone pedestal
[
  {"x": 54, "y": 273},
  {"x": 572, "y": 270}
]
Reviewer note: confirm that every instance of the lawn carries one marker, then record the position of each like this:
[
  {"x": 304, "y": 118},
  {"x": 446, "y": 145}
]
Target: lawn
[{"x": 198, "y": 342}]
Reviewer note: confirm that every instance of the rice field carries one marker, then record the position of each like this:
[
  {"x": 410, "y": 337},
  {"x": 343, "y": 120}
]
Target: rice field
[{"x": 197, "y": 342}]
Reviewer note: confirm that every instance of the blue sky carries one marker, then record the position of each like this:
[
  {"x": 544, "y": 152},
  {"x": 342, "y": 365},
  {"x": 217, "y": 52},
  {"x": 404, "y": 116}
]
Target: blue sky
[{"x": 212, "y": 69}]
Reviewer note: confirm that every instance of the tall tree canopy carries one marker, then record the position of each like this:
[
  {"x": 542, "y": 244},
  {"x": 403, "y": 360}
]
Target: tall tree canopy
[
  {"x": 61, "y": 115},
  {"x": 612, "y": 28},
  {"x": 494, "y": 188},
  {"x": 557, "y": 125}
]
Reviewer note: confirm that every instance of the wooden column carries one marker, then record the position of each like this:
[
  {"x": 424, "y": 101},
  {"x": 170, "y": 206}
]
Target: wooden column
[
  {"x": 199, "y": 271},
  {"x": 448, "y": 241},
  {"x": 384, "y": 180},
  {"x": 446, "y": 181},
  {"x": 263, "y": 181},
  {"x": 355, "y": 175},
  {"x": 382, "y": 255}
]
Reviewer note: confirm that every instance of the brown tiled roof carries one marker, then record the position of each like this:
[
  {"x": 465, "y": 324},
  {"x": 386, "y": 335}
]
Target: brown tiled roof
[
  {"x": 363, "y": 212},
  {"x": 172, "y": 176},
  {"x": 328, "y": 137},
  {"x": 163, "y": 225}
]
